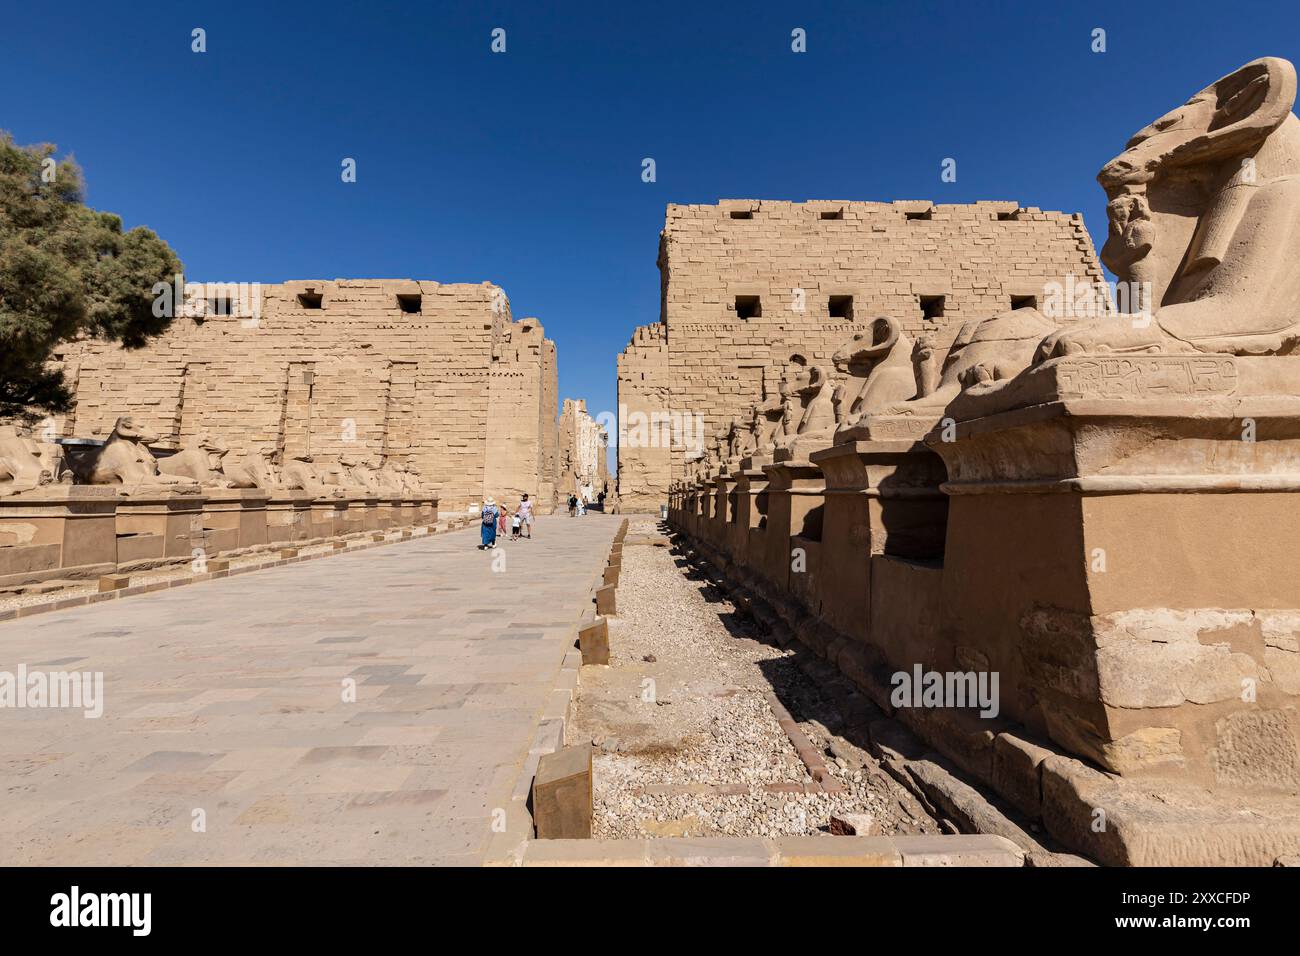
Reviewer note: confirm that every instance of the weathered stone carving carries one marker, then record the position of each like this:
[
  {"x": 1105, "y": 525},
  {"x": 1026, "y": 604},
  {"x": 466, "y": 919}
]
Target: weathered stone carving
[
  {"x": 345, "y": 475},
  {"x": 770, "y": 415},
  {"x": 413, "y": 481},
  {"x": 788, "y": 422},
  {"x": 983, "y": 355},
  {"x": 201, "y": 460},
  {"x": 22, "y": 466},
  {"x": 388, "y": 479},
  {"x": 301, "y": 474},
  {"x": 880, "y": 361},
  {"x": 253, "y": 470},
  {"x": 816, "y": 426},
  {"x": 125, "y": 460},
  {"x": 750, "y": 433},
  {"x": 1205, "y": 206},
  {"x": 925, "y": 367}
]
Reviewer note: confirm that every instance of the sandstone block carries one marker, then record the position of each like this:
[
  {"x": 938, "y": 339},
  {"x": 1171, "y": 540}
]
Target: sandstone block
[
  {"x": 593, "y": 640},
  {"x": 562, "y": 802}
]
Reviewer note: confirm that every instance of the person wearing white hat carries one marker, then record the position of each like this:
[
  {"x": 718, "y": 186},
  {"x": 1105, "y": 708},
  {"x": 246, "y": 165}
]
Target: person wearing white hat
[{"x": 490, "y": 514}]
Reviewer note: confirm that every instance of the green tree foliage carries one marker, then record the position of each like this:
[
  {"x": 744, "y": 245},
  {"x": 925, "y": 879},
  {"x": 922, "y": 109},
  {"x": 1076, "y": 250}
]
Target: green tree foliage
[{"x": 66, "y": 271}]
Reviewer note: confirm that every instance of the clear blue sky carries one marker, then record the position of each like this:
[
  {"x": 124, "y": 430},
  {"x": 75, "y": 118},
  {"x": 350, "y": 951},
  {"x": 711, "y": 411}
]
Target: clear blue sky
[{"x": 525, "y": 168}]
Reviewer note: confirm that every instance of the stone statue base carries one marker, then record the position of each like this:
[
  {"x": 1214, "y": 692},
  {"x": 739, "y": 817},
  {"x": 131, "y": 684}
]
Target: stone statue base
[
  {"x": 794, "y": 521},
  {"x": 234, "y": 519},
  {"x": 881, "y": 498},
  {"x": 288, "y": 516},
  {"x": 158, "y": 525},
  {"x": 57, "y": 531},
  {"x": 802, "y": 447},
  {"x": 1123, "y": 531}
]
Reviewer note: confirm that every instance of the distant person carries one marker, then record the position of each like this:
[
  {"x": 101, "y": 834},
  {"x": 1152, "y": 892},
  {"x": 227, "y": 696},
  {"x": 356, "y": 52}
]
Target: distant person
[
  {"x": 582, "y": 505},
  {"x": 601, "y": 498},
  {"x": 526, "y": 515},
  {"x": 573, "y": 505},
  {"x": 503, "y": 521},
  {"x": 515, "y": 524},
  {"x": 490, "y": 515}
]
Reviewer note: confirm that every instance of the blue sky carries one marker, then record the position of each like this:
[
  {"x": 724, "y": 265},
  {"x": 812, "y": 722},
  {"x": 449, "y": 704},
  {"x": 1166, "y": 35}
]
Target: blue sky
[{"x": 524, "y": 168}]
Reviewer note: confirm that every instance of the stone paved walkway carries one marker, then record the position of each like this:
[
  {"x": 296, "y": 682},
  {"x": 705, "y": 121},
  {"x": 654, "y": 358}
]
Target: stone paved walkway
[{"x": 227, "y": 697}]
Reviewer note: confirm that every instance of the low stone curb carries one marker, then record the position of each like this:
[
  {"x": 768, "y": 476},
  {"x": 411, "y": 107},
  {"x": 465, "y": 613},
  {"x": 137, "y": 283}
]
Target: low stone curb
[
  {"x": 812, "y": 759},
  {"x": 82, "y": 600},
  {"x": 509, "y": 843},
  {"x": 901, "y": 851}
]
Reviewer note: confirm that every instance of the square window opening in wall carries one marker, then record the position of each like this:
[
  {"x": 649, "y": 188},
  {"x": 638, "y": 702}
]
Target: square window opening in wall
[
  {"x": 840, "y": 307},
  {"x": 919, "y": 215},
  {"x": 831, "y": 214},
  {"x": 742, "y": 214},
  {"x": 932, "y": 307},
  {"x": 748, "y": 306},
  {"x": 311, "y": 300},
  {"x": 409, "y": 302},
  {"x": 221, "y": 305},
  {"x": 1009, "y": 216},
  {"x": 1024, "y": 302}
]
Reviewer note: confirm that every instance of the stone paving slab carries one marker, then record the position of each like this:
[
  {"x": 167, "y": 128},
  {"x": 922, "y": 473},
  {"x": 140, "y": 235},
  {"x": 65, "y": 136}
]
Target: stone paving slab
[
  {"x": 983, "y": 850},
  {"x": 227, "y": 697}
]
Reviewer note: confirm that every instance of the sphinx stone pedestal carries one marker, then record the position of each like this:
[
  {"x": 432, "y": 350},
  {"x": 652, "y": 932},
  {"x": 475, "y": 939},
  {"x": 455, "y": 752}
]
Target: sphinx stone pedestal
[
  {"x": 427, "y": 511},
  {"x": 328, "y": 517},
  {"x": 701, "y": 505},
  {"x": 750, "y": 522},
  {"x": 721, "y": 488},
  {"x": 352, "y": 520},
  {"x": 363, "y": 514},
  {"x": 288, "y": 516},
  {"x": 794, "y": 520},
  {"x": 234, "y": 519},
  {"x": 408, "y": 512},
  {"x": 389, "y": 513},
  {"x": 57, "y": 531},
  {"x": 881, "y": 498},
  {"x": 158, "y": 524},
  {"x": 1122, "y": 547}
]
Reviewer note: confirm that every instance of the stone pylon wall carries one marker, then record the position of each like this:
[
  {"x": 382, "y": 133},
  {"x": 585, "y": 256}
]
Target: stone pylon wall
[
  {"x": 581, "y": 449},
  {"x": 801, "y": 262},
  {"x": 548, "y": 427},
  {"x": 522, "y": 384},
  {"x": 339, "y": 368},
  {"x": 644, "y": 389}
]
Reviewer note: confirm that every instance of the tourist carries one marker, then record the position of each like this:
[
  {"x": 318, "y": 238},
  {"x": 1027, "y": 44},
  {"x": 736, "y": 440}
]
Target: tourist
[
  {"x": 526, "y": 513},
  {"x": 490, "y": 514},
  {"x": 503, "y": 519},
  {"x": 515, "y": 524},
  {"x": 573, "y": 505}
]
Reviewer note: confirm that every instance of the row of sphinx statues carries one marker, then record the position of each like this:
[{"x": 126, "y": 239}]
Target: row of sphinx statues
[
  {"x": 1204, "y": 221},
  {"x": 881, "y": 372},
  {"x": 125, "y": 461}
]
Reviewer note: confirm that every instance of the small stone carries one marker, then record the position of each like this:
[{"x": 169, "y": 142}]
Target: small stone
[{"x": 854, "y": 824}]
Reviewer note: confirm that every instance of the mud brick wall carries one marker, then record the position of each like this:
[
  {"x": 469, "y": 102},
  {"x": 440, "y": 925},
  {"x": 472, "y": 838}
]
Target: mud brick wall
[
  {"x": 340, "y": 367},
  {"x": 819, "y": 272}
]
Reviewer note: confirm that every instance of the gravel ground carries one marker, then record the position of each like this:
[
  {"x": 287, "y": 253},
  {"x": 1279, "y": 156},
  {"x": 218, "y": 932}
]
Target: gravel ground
[{"x": 703, "y": 721}]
